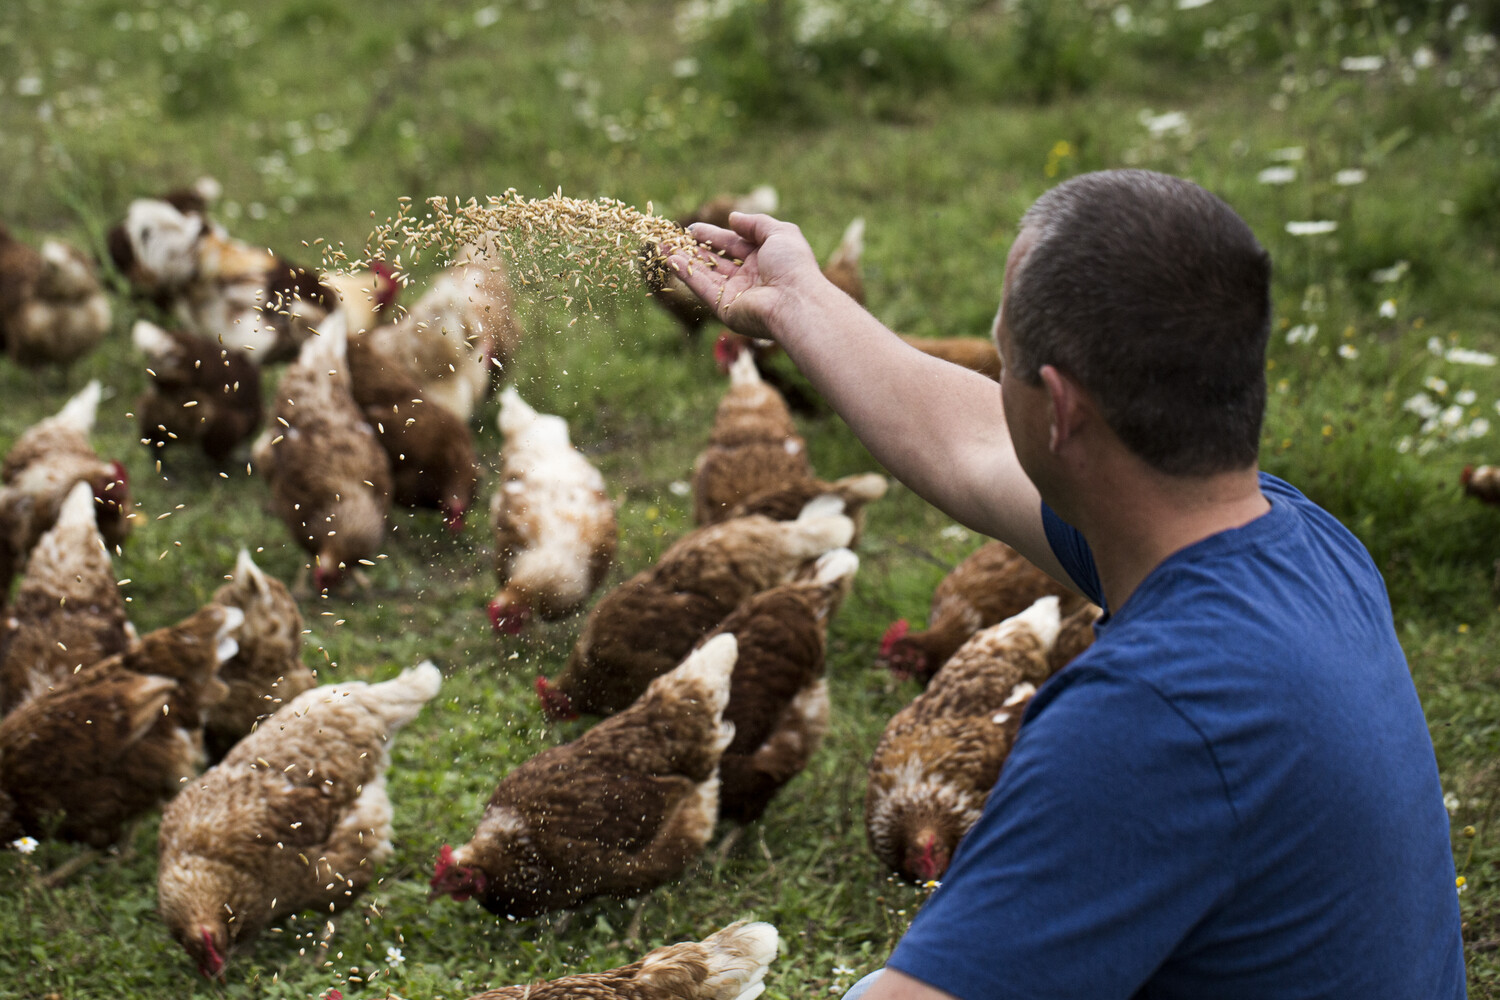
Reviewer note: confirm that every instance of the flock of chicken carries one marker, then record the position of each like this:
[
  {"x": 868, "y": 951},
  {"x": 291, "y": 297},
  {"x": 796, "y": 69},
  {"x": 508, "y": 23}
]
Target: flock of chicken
[{"x": 708, "y": 665}]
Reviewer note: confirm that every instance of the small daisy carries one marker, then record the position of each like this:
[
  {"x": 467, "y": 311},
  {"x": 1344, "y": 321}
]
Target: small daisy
[
  {"x": 1315, "y": 227},
  {"x": 1348, "y": 351},
  {"x": 1350, "y": 177},
  {"x": 393, "y": 955},
  {"x": 1464, "y": 356},
  {"x": 679, "y": 488},
  {"x": 1388, "y": 309},
  {"x": 1277, "y": 175},
  {"x": 25, "y": 845}
]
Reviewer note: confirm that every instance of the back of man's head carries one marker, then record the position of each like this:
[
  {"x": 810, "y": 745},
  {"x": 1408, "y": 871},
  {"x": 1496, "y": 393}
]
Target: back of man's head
[{"x": 1153, "y": 295}]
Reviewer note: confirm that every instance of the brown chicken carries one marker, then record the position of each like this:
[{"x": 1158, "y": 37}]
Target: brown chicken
[
  {"x": 68, "y": 612},
  {"x": 785, "y": 502},
  {"x": 778, "y": 699},
  {"x": 368, "y": 297},
  {"x": 646, "y": 625},
  {"x": 1074, "y": 636},
  {"x": 618, "y": 811},
  {"x": 977, "y": 354},
  {"x": 729, "y": 965},
  {"x": 39, "y": 472},
  {"x": 1482, "y": 482},
  {"x": 555, "y": 529},
  {"x": 238, "y": 295},
  {"x": 459, "y": 338},
  {"x": 117, "y": 738},
  {"x": 330, "y": 478},
  {"x": 843, "y": 267},
  {"x": 295, "y": 817},
  {"x": 992, "y": 584},
  {"x": 53, "y": 310},
  {"x": 754, "y": 446},
  {"x": 431, "y": 450},
  {"x": 939, "y": 757},
  {"x": 199, "y": 392},
  {"x": 267, "y": 671}
]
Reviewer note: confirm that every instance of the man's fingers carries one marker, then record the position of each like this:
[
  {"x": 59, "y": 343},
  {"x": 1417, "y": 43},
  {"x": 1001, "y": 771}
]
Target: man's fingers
[{"x": 724, "y": 241}]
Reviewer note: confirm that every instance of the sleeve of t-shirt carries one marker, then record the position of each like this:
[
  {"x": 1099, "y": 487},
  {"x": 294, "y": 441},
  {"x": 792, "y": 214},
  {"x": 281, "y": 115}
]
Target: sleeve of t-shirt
[
  {"x": 1074, "y": 554},
  {"x": 1103, "y": 844}
]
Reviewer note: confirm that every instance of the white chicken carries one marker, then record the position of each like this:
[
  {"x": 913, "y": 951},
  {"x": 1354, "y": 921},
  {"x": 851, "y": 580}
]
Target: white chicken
[{"x": 555, "y": 530}]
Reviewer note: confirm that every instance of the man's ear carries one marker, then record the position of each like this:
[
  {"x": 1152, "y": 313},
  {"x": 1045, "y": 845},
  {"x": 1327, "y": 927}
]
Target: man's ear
[{"x": 1068, "y": 407}]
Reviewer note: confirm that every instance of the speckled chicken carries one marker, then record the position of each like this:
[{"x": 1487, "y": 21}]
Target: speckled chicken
[
  {"x": 778, "y": 698},
  {"x": 620, "y": 810},
  {"x": 729, "y": 965},
  {"x": 198, "y": 393},
  {"x": 267, "y": 671},
  {"x": 39, "y": 472},
  {"x": 644, "y": 627},
  {"x": 68, "y": 612},
  {"x": 53, "y": 310},
  {"x": 555, "y": 528},
  {"x": 457, "y": 340},
  {"x": 430, "y": 449},
  {"x": 992, "y": 584},
  {"x": 939, "y": 757},
  {"x": 754, "y": 446},
  {"x": 240, "y": 296},
  {"x": 118, "y": 737},
  {"x": 295, "y": 817},
  {"x": 330, "y": 478}
]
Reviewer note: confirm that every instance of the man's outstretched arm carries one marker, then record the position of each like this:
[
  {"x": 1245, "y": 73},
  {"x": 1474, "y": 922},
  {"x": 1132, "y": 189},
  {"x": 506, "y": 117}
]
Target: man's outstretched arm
[{"x": 937, "y": 427}]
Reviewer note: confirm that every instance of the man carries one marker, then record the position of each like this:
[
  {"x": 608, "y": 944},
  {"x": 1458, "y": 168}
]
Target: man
[{"x": 1232, "y": 794}]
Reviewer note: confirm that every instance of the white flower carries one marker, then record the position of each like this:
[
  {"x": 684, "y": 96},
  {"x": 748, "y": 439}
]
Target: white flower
[
  {"x": 1348, "y": 351},
  {"x": 1302, "y": 333},
  {"x": 679, "y": 488},
  {"x": 1123, "y": 17},
  {"x": 1171, "y": 123},
  {"x": 1450, "y": 802},
  {"x": 1435, "y": 346},
  {"x": 1389, "y": 275},
  {"x": 393, "y": 955},
  {"x": 29, "y": 86},
  {"x": 1404, "y": 445},
  {"x": 1423, "y": 58},
  {"x": 1289, "y": 154},
  {"x": 684, "y": 68},
  {"x": 1464, "y": 356},
  {"x": 1388, "y": 309},
  {"x": 842, "y": 970},
  {"x": 1465, "y": 397},
  {"x": 1192, "y": 4},
  {"x": 1451, "y": 416},
  {"x": 1478, "y": 427},
  {"x": 1422, "y": 405},
  {"x": 1316, "y": 227},
  {"x": 1361, "y": 64},
  {"x": 955, "y": 533},
  {"x": 25, "y": 845},
  {"x": 1351, "y": 176},
  {"x": 1437, "y": 385},
  {"x": 486, "y": 16},
  {"x": 1277, "y": 175}
]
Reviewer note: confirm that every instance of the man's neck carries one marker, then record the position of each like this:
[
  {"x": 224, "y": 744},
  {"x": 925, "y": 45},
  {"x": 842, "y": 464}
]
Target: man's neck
[{"x": 1134, "y": 521}]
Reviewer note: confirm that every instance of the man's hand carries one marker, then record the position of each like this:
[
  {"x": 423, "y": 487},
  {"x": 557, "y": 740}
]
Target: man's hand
[{"x": 759, "y": 272}]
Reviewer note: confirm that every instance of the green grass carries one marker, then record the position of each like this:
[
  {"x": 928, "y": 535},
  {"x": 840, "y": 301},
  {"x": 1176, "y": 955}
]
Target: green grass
[{"x": 315, "y": 115}]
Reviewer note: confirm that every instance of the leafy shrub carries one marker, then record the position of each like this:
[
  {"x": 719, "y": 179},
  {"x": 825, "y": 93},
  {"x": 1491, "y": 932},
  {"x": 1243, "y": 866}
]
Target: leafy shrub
[{"x": 795, "y": 58}]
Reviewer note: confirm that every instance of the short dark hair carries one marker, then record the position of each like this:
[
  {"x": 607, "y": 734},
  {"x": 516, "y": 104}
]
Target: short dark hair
[{"x": 1154, "y": 296}]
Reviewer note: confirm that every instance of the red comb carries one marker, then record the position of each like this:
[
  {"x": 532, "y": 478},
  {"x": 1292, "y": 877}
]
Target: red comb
[
  {"x": 1466, "y": 475},
  {"x": 555, "y": 703},
  {"x": 894, "y": 634},
  {"x": 444, "y": 862}
]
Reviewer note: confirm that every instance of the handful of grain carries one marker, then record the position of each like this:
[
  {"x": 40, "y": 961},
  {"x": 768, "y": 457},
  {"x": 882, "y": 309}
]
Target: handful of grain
[{"x": 588, "y": 245}]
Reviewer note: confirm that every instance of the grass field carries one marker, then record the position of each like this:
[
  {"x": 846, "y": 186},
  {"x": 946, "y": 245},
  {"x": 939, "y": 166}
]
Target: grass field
[{"x": 939, "y": 122}]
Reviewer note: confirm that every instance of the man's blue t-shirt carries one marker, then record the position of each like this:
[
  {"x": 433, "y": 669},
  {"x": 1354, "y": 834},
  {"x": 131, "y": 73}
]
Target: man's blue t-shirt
[{"x": 1232, "y": 794}]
